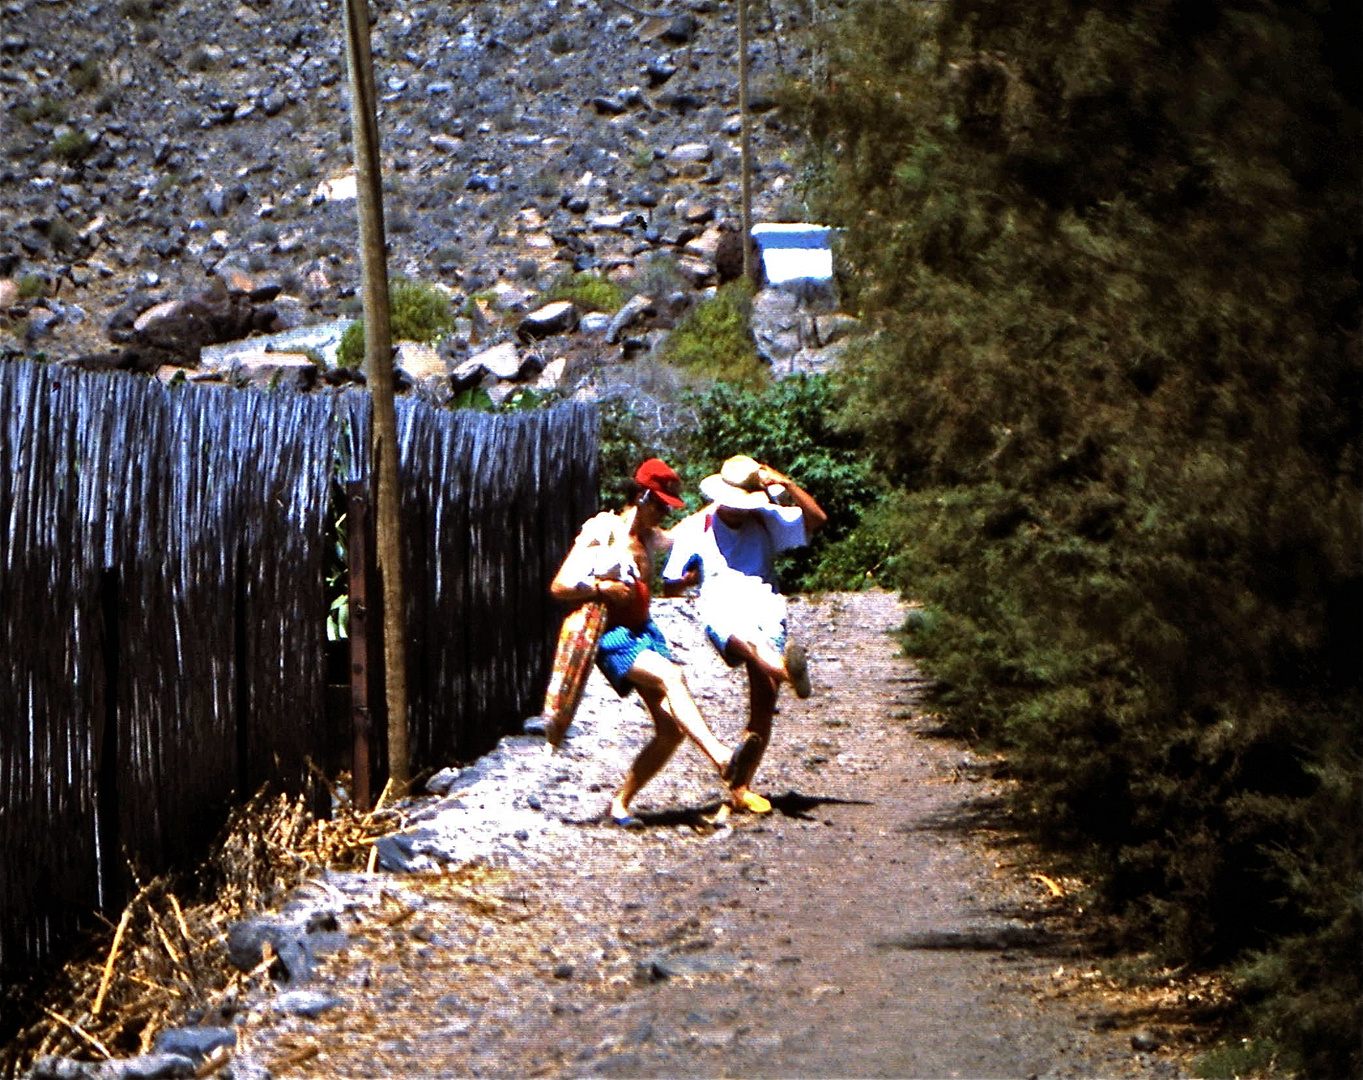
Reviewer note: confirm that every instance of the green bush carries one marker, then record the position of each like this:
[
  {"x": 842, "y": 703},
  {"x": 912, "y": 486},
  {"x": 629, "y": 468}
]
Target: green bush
[
  {"x": 31, "y": 285},
  {"x": 591, "y": 292},
  {"x": 1111, "y": 260},
  {"x": 86, "y": 75},
  {"x": 789, "y": 425},
  {"x": 72, "y": 146},
  {"x": 714, "y": 339},
  {"x": 416, "y": 312},
  {"x": 623, "y": 445},
  {"x": 45, "y": 108}
]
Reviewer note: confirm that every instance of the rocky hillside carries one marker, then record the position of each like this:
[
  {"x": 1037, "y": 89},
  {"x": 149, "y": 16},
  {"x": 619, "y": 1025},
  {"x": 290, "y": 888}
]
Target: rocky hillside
[{"x": 159, "y": 151}]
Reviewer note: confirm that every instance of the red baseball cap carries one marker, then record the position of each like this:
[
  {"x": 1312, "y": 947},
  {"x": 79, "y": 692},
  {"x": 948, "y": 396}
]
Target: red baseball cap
[{"x": 658, "y": 477}]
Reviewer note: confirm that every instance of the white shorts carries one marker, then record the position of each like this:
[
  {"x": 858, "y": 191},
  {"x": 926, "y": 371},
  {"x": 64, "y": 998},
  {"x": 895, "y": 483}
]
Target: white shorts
[{"x": 743, "y": 607}]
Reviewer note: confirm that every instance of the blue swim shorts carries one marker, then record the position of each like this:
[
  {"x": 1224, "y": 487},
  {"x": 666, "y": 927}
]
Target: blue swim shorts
[{"x": 620, "y": 647}]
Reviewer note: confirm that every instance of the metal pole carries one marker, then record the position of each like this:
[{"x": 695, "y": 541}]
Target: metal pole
[
  {"x": 378, "y": 360},
  {"x": 745, "y": 150}
]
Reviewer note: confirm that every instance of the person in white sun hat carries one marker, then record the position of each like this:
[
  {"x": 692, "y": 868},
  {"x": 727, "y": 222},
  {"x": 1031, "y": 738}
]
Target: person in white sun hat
[{"x": 729, "y": 550}]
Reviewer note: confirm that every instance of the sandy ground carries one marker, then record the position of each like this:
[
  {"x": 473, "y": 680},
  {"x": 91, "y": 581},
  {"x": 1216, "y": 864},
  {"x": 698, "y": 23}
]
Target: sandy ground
[{"x": 875, "y": 924}]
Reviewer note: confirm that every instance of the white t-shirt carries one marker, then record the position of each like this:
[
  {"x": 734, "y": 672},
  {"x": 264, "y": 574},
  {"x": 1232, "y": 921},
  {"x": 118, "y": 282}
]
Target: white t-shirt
[
  {"x": 602, "y": 549},
  {"x": 738, "y": 597},
  {"x": 749, "y": 550}
]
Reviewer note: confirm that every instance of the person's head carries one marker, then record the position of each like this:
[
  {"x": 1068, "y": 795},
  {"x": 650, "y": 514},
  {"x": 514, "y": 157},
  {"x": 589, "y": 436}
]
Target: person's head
[
  {"x": 736, "y": 490},
  {"x": 655, "y": 489}
]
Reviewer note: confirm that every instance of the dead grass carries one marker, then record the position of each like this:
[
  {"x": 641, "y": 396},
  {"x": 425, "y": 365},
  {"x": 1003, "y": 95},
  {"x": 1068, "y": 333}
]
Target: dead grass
[{"x": 165, "y": 960}]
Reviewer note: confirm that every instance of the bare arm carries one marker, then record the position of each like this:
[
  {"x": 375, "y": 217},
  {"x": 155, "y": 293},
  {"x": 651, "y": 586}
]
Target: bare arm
[
  {"x": 575, "y": 583},
  {"x": 815, "y": 518},
  {"x": 568, "y": 587},
  {"x": 686, "y": 581}
]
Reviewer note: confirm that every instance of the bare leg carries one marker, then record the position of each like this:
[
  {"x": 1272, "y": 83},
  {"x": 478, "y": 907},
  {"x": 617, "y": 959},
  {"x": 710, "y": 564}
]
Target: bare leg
[
  {"x": 667, "y": 736},
  {"x": 762, "y": 691},
  {"x": 759, "y": 655},
  {"x": 675, "y": 716},
  {"x": 657, "y": 675}
]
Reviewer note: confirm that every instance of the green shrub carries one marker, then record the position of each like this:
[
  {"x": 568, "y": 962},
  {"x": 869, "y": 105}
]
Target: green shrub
[
  {"x": 715, "y": 339},
  {"x": 1111, "y": 258},
  {"x": 622, "y": 446},
  {"x": 790, "y": 426},
  {"x": 660, "y": 276},
  {"x": 86, "y": 75},
  {"x": 589, "y": 291},
  {"x": 72, "y": 146},
  {"x": 62, "y": 235},
  {"x": 46, "y": 108},
  {"x": 31, "y": 285},
  {"x": 416, "y": 312},
  {"x": 1248, "y": 1056}
]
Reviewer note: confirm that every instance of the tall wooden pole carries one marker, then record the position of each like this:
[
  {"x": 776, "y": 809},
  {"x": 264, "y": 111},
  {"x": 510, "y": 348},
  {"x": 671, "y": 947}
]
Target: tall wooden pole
[
  {"x": 745, "y": 149},
  {"x": 378, "y": 361}
]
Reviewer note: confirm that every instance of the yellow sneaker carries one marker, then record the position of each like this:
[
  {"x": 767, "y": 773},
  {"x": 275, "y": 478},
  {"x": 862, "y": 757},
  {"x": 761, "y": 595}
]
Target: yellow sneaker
[{"x": 752, "y": 802}]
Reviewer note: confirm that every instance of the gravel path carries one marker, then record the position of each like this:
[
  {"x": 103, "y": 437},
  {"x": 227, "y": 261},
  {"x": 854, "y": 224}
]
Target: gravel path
[{"x": 862, "y": 929}]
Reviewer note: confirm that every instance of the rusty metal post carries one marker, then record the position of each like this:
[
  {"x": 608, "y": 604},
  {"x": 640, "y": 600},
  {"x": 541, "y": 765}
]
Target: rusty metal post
[{"x": 359, "y": 628}]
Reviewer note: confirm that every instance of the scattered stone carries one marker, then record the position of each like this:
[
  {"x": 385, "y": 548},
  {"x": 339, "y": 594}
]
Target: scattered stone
[
  {"x": 635, "y": 308},
  {"x": 550, "y": 379},
  {"x": 309, "y": 1003},
  {"x": 660, "y": 69},
  {"x": 421, "y": 362},
  {"x": 246, "y": 941},
  {"x": 194, "y": 1042},
  {"x": 608, "y": 106},
  {"x": 697, "y": 271},
  {"x": 695, "y": 153},
  {"x": 1147, "y": 1040},
  {"x": 260, "y": 367},
  {"x": 681, "y": 29},
  {"x": 559, "y": 317},
  {"x": 502, "y": 360},
  {"x": 412, "y": 852},
  {"x": 245, "y": 1067},
  {"x": 691, "y": 964},
  {"x": 695, "y": 212},
  {"x": 443, "y": 781}
]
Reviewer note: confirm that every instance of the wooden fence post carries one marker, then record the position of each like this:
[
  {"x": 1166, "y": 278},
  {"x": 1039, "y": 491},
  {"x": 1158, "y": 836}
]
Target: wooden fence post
[
  {"x": 360, "y": 627},
  {"x": 378, "y": 356}
]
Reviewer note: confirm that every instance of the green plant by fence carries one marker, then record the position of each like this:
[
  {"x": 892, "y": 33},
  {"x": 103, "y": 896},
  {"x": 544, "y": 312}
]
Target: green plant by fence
[{"x": 163, "y": 603}]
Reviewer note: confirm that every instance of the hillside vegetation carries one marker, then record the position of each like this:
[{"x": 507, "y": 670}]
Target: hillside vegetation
[{"x": 1109, "y": 251}]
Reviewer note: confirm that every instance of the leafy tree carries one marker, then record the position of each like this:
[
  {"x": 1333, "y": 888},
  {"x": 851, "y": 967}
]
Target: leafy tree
[{"x": 1110, "y": 250}]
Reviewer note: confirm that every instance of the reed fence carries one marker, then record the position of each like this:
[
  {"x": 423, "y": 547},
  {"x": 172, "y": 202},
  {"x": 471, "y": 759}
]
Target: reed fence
[{"x": 163, "y": 604}]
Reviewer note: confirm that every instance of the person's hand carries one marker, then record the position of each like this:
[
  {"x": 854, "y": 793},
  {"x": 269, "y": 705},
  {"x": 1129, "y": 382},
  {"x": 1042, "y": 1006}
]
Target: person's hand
[{"x": 767, "y": 476}]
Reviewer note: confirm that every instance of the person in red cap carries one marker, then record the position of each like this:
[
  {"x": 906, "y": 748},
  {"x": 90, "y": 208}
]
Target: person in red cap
[{"x": 611, "y": 562}]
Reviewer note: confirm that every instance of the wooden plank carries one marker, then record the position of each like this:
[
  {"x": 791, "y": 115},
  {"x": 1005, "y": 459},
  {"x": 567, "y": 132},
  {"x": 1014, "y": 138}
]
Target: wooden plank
[{"x": 359, "y": 555}]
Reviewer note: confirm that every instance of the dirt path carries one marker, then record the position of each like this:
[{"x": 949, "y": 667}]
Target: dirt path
[{"x": 860, "y": 930}]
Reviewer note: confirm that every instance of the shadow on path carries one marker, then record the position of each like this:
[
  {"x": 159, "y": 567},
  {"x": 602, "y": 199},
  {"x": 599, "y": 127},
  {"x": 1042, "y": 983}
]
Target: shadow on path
[{"x": 791, "y": 804}]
